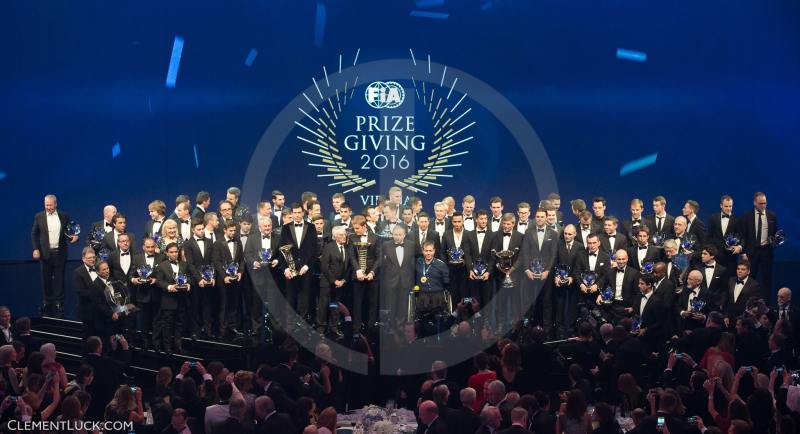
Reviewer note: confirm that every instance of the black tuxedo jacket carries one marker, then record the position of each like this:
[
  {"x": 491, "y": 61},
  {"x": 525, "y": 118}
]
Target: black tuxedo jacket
[
  {"x": 449, "y": 242},
  {"x": 110, "y": 243},
  {"x": 666, "y": 227},
  {"x": 430, "y": 234},
  {"x": 716, "y": 237},
  {"x": 333, "y": 266},
  {"x": 115, "y": 262},
  {"x": 621, "y": 242},
  {"x": 447, "y": 225},
  {"x": 144, "y": 293},
  {"x": 655, "y": 317},
  {"x": 96, "y": 225},
  {"x": 629, "y": 227},
  {"x": 717, "y": 286},
  {"x": 197, "y": 257},
  {"x": 83, "y": 284},
  {"x": 579, "y": 235},
  {"x": 252, "y": 251},
  {"x": 373, "y": 251},
  {"x": 569, "y": 257},
  {"x": 305, "y": 250},
  {"x": 148, "y": 228},
  {"x": 698, "y": 229},
  {"x": 222, "y": 257},
  {"x": 738, "y": 306},
  {"x": 198, "y": 213},
  {"x": 485, "y": 250},
  {"x": 653, "y": 254},
  {"x": 396, "y": 276},
  {"x": 601, "y": 266},
  {"x": 630, "y": 284},
  {"x": 277, "y": 423},
  {"x": 530, "y": 249},
  {"x": 165, "y": 277},
  {"x": 515, "y": 244},
  {"x": 40, "y": 239},
  {"x": 683, "y": 305},
  {"x": 747, "y": 229},
  {"x": 514, "y": 429}
]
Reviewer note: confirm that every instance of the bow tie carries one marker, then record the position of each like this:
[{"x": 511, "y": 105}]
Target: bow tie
[
  {"x": 642, "y": 247},
  {"x": 173, "y": 262},
  {"x": 621, "y": 270},
  {"x": 125, "y": 253},
  {"x": 93, "y": 269},
  {"x": 265, "y": 237},
  {"x": 186, "y": 222},
  {"x": 725, "y": 216},
  {"x": 540, "y": 230},
  {"x": 481, "y": 232},
  {"x": 398, "y": 244},
  {"x": 592, "y": 254},
  {"x": 636, "y": 221},
  {"x": 108, "y": 224},
  {"x": 710, "y": 266},
  {"x": 150, "y": 256},
  {"x": 438, "y": 223},
  {"x": 199, "y": 239},
  {"x": 523, "y": 223},
  {"x": 468, "y": 218},
  {"x": 739, "y": 282},
  {"x": 584, "y": 228},
  {"x": 230, "y": 241},
  {"x": 506, "y": 234},
  {"x": 612, "y": 236},
  {"x": 496, "y": 220},
  {"x": 298, "y": 225}
]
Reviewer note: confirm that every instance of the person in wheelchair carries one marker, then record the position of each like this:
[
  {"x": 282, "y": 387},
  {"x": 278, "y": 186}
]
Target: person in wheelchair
[{"x": 432, "y": 277}]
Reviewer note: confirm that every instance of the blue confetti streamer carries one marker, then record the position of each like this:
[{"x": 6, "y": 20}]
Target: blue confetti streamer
[
  {"x": 115, "y": 150},
  {"x": 251, "y": 57},
  {"x": 638, "y": 164},
  {"x": 196, "y": 159},
  {"x": 632, "y": 55},
  {"x": 174, "y": 62},
  {"x": 434, "y": 15},
  {"x": 319, "y": 25},
  {"x": 3, "y": 175},
  {"x": 429, "y": 3}
]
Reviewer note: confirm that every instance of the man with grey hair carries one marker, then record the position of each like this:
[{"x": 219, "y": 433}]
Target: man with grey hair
[
  {"x": 268, "y": 420},
  {"x": 490, "y": 420},
  {"x": 519, "y": 422},
  {"x": 396, "y": 264},
  {"x": 49, "y": 240},
  {"x": 336, "y": 272},
  {"x": 693, "y": 292},
  {"x": 105, "y": 224},
  {"x": 465, "y": 419},
  {"x": 235, "y": 422}
]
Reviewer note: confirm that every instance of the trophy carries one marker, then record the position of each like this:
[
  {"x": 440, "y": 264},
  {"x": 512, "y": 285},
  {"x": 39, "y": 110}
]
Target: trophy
[
  {"x": 688, "y": 242},
  {"x": 72, "y": 230},
  {"x": 144, "y": 272},
  {"x": 505, "y": 262},
  {"x": 456, "y": 255},
  {"x": 778, "y": 239},
  {"x": 103, "y": 254},
  {"x": 698, "y": 304},
  {"x": 589, "y": 278},
  {"x": 96, "y": 239},
  {"x": 265, "y": 255},
  {"x": 207, "y": 273},
  {"x": 537, "y": 267},
  {"x": 362, "y": 249},
  {"x": 479, "y": 267},
  {"x": 681, "y": 261},
  {"x": 181, "y": 281},
  {"x": 291, "y": 264},
  {"x": 232, "y": 269},
  {"x": 647, "y": 267},
  {"x": 607, "y": 295},
  {"x": 155, "y": 236},
  {"x": 732, "y": 240},
  {"x": 562, "y": 273},
  {"x": 636, "y": 324},
  {"x": 118, "y": 300},
  {"x": 658, "y": 239}
]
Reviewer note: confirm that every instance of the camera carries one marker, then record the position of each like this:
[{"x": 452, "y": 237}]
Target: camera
[
  {"x": 748, "y": 368},
  {"x": 192, "y": 365},
  {"x": 692, "y": 419},
  {"x": 678, "y": 356},
  {"x": 133, "y": 389},
  {"x": 467, "y": 300},
  {"x": 660, "y": 422},
  {"x": 333, "y": 305},
  {"x": 356, "y": 335},
  {"x": 13, "y": 399}
]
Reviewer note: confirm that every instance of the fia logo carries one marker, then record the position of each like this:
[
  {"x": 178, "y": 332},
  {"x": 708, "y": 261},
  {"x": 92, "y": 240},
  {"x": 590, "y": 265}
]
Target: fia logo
[{"x": 388, "y": 94}]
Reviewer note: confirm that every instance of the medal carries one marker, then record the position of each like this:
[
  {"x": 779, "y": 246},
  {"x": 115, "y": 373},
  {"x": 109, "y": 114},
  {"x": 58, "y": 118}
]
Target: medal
[{"x": 423, "y": 279}]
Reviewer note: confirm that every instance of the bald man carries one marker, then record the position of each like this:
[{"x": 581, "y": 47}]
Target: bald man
[
  {"x": 785, "y": 310},
  {"x": 431, "y": 423},
  {"x": 624, "y": 283}
]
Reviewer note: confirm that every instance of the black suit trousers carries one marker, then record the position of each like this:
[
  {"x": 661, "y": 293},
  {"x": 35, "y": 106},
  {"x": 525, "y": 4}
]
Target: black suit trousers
[{"x": 53, "y": 277}]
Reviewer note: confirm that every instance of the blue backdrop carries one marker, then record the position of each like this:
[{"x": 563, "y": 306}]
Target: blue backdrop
[{"x": 711, "y": 87}]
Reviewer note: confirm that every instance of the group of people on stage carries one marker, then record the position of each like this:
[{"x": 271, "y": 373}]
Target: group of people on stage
[{"x": 206, "y": 273}]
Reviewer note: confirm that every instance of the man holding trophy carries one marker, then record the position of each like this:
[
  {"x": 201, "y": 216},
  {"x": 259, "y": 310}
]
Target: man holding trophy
[
  {"x": 142, "y": 280},
  {"x": 365, "y": 285},
  {"x": 198, "y": 252},
  {"x": 504, "y": 249},
  {"x": 261, "y": 255},
  {"x": 173, "y": 276},
  {"x": 537, "y": 255},
  {"x": 457, "y": 251},
  {"x": 228, "y": 262},
  {"x": 300, "y": 237},
  {"x": 112, "y": 305}
]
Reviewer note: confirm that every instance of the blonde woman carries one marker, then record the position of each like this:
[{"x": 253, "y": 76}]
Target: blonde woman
[{"x": 126, "y": 406}]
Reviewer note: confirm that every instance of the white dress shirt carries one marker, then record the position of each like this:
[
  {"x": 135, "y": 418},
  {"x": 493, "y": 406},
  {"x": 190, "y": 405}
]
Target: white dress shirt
[
  {"x": 399, "y": 250},
  {"x": 53, "y": 229}
]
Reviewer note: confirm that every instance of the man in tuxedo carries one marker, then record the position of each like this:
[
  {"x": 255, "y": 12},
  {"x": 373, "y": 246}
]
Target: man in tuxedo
[
  {"x": 441, "y": 223},
  {"x": 301, "y": 236},
  {"x": 211, "y": 229},
  {"x": 227, "y": 256},
  {"x": 689, "y": 318},
  {"x": 610, "y": 239},
  {"x": 181, "y": 199},
  {"x": 105, "y": 224},
  {"x": 453, "y": 241},
  {"x": 598, "y": 210},
  {"x": 757, "y": 228},
  {"x": 672, "y": 272},
  {"x": 664, "y": 287},
  {"x": 336, "y": 274},
  {"x": 336, "y": 202},
  {"x": 372, "y": 216},
  {"x": 82, "y": 280},
  {"x": 591, "y": 260},
  {"x": 396, "y": 267},
  {"x": 431, "y": 422},
  {"x": 490, "y": 420},
  {"x": 423, "y": 232},
  {"x": 630, "y": 227},
  {"x": 624, "y": 282},
  {"x": 683, "y": 238},
  {"x": 182, "y": 219},
  {"x": 654, "y": 314},
  {"x": 167, "y": 324},
  {"x": 552, "y": 221},
  {"x": 202, "y": 203},
  {"x": 660, "y": 221},
  {"x": 232, "y": 195},
  {"x": 144, "y": 291},
  {"x": 720, "y": 226},
  {"x": 564, "y": 293},
  {"x": 199, "y": 254},
  {"x": 262, "y": 273},
  {"x": 225, "y": 215},
  {"x": 407, "y": 218},
  {"x": 694, "y": 225},
  {"x": 157, "y": 210},
  {"x": 481, "y": 241},
  {"x": 264, "y": 211},
  {"x": 508, "y": 239},
  {"x": 365, "y": 285},
  {"x": 278, "y": 202},
  {"x": 345, "y": 214},
  {"x": 49, "y": 242},
  {"x": 785, "y": 310},
  {"x": 467, "y": 210},
  {"x": 586, "y": 227},
  {"x": 496, "y": 208},
  {"x": 539, "y": 243},
  {"x": 391, "y": 217},
  {"x": 740, "y": 289},
  {"x": 519, "y": 422},
  {"x": 108, "y": 373},
  {"x": 111, "y": 240},
  {"x": 713, "y": 275},
  {"x": 269, "y": 420},
  {"x": 524, "y": 215},
  {"x": 642, "y": 251},
  {"x": 107, "y": 321},
  {"x": 120, "y": 259}
]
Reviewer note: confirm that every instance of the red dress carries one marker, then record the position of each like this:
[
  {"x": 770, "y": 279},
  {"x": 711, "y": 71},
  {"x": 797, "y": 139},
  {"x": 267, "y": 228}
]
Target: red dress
[{"x": 476, "y": 381}]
